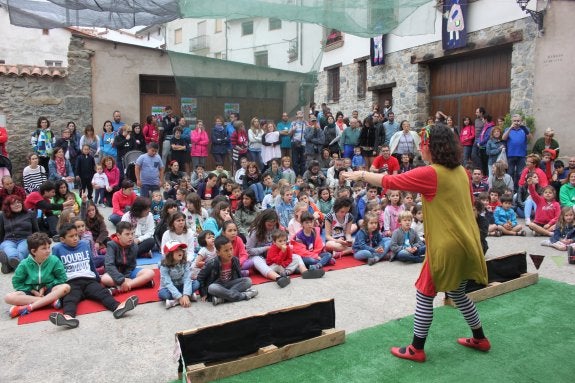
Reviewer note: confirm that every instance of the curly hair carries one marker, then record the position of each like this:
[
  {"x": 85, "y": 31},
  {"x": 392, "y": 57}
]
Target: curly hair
[
  {"x": 444, "y": 147},
  {"x": 7, "y": 211},
  {"x": 258, "y": 225}
]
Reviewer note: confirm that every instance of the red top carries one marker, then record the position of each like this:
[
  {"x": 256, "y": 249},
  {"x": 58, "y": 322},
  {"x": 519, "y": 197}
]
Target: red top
[
  {"x": 392, "y": 163},
  {"x": 425, "y": 177},
  {"x": 547, "y": 213},
  {"x": 32, "y": 199},
  {"x": 240, "y": 250},
  {"x": 277, "y": 256},
  {"x": 120, "y": 201},
  {"x": 151, "y": 133},
  {"x": 540, "y": 173},
  {"x": 113, "y": 176}
]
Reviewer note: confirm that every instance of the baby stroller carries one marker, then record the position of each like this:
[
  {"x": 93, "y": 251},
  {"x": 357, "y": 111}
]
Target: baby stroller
[
  {"x": 5, "y": 166},
  {"x": 129, "y": 161}
]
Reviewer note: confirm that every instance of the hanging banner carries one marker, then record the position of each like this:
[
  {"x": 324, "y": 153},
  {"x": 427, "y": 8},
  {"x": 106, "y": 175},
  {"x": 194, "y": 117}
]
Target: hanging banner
[
  {"x": 158, "y": 112},
  {"x": 454, "y": 29},
  {"x": 189, "y": 110},
  {"x": 377, "y": 50}
]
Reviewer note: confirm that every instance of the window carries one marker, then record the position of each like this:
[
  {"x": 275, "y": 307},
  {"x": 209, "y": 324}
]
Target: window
[
  {"x": 247, "y": 28},
  {"x": 275, "y": 24},
  {"x": 333, "y": 84},
  {"x": 261, "y": 58},
  {"x": 53, "y": 63},
  {"x": 333, "y": 39},
  {"x": 202, "y": 28},
  {"x": 219, "y": 25},
  {"x": 178, "y": 36},
  {"x": 361, "y": 78}
]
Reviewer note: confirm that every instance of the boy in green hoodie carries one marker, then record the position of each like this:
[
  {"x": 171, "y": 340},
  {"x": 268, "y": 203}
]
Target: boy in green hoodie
[{"x": 39, "y": 279}]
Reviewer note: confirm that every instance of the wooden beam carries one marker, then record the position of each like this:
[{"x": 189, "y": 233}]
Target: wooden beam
[
  {"x": 264, "y": 357},
  {"x": 498, "y": 288}
]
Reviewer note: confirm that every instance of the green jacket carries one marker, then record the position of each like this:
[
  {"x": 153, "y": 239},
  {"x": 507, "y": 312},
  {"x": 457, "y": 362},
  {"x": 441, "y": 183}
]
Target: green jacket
[
  {"x": 567, "y": 195},
  {"x": 30, "y": 275},
  {"x": 349, "y": 136}
]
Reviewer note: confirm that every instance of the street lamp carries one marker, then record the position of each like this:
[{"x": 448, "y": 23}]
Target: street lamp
[{"x": 537, "y": 16}]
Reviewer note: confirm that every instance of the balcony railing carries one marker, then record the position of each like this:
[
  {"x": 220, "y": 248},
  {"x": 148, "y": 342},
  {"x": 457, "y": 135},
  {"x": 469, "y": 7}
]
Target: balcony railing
[{"x": 199, "y": 43}]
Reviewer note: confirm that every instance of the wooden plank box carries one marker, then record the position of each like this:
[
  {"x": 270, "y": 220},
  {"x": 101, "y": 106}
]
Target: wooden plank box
[
  {"x": 225, "y": 349},
  {"x": 505, "y": 274}
]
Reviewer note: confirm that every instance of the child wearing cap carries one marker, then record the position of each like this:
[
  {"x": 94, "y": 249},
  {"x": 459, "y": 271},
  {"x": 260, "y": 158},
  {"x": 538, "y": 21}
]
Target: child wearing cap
[{"x": 176, "y": 285}]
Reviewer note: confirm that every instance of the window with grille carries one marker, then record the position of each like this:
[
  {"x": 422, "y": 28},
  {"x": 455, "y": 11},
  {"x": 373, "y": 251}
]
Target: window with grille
[
  {"x": 333, "y": 84},
  {"x": 361, "y": 78}
]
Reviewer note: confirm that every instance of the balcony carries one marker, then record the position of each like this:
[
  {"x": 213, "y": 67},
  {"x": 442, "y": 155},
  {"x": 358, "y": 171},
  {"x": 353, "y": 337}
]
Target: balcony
[
  {"x": 333, "y": 40},
  {"x": 200, "y": 43}
]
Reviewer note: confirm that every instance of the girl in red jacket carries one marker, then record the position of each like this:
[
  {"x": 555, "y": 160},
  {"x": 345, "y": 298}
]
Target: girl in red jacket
[
  {"x": 547, "y": 211},
  {"x": 281, "y": 259}
]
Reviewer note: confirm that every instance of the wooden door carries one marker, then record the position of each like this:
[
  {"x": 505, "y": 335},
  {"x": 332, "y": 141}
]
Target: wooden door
[{"x": 461, "y": 85}]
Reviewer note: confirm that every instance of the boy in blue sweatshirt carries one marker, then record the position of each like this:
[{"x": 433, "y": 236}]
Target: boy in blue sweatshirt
[
  {"x": 39, "y": 280},
  {"x": 84, "y": 281}
]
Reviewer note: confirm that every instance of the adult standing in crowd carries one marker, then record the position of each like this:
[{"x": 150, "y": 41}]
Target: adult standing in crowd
[
  {"x": 43, "y": 141},
  {"x": 380, "y": 131},
  {"x": 546, "y": 142},
  {"x": 284, "y": 127},
  {"x": 484, "y": 137},
  {"x": 314, "y": 139},
  {"x": 124, "y": 143},
  {"x": 517, "y": 137},
  {"x": 151, "y": 131},
  {"x": 255, "y": 134},
  {"x": 391, "y": 127},
  {"x": 117, "y": 122},
  {"x": 89, "y": 138},
  {"x": 405, "y": 141},
  {"x": 200, "y": 141},
  {"x": 476, "y": 152},
  {"x": 454, "y": 254},
  {"x": 139, "y": 139},
  {"x": 367, "y": 140},
  {"x": 169, "y": 122},
  {"x": 298, "y": 143},
  {"x": 332, "y": 135},
  {"x": 350, "y": 138},
  {"x": 220, "y": 141},
  {"x": 67, "y": 143}
]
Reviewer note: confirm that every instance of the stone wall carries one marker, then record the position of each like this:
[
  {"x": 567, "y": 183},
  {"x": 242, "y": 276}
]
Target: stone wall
[
  {"x": 411, "y": 95},
  {"x": 24, "y": 98}
]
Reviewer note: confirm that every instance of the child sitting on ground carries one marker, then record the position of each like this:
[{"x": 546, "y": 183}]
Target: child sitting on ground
[
  {"x": 221, "y": 280},
  {"x": 406, "y": 245},
  {"x": 547, "y": 211},
  {"x": 156, "y": 205},
  {"x": 235, "y": 197},
  {"x": 269, "y": 200},
  {"x": 86, "y": 235},
  {"x": 207, "y": 251},
  {"x": 483, "y": 197},
  {"x": 294, "y": 225},
  {"x": 417, "y": 224},
  {"x": 122, "y": 275},
  {"x": 281, "y": 259},
  {"x": 338, "y": 228},
  {"x": 369, "y": 244},
  {"x": 564, "y": 234},
  {"x": 307, "y": 243},
  {"x": 176, "y": 284},
  {"x": 391, "y": 212},
  {"x": 506, "y": 219},
  {"x": 83, "y": 279},
  {"x": 39, "y": 279},
  {"x": 482, "y": 224}
]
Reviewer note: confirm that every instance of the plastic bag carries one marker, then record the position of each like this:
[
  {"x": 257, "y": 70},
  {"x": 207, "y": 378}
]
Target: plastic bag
[{"x": 502, "y": 157}]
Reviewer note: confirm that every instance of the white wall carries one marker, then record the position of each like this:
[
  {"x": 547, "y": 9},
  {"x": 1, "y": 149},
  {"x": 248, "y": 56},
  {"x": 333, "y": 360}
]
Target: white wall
[
  {"x": 29, "y": 46},
  {"x": 216, "y": 41},
  {"x": 482, "y": 14}
]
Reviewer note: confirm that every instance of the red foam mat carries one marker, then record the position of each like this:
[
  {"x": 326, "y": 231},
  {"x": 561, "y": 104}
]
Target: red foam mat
[{"x": 86, "y": 307}]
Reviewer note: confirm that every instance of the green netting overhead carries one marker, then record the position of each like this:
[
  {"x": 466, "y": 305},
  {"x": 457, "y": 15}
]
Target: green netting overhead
[
  {"x": 358, "y": 17},
  {"x": 364, "y": 18}
]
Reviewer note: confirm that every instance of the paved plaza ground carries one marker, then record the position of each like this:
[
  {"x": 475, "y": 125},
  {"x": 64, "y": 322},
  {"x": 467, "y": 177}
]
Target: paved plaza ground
[{"x": 139, "y": 347}]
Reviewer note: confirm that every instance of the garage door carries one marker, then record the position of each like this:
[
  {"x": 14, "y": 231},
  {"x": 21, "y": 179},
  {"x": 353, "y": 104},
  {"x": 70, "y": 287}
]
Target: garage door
[{"x": 460, "y": 85}]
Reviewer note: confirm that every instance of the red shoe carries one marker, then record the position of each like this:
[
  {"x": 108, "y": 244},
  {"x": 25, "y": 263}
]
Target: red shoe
[
  {"x": 409, "y": 352},
  {"x": 478, "y": 344},
  {"x": 16, "y": 311}
]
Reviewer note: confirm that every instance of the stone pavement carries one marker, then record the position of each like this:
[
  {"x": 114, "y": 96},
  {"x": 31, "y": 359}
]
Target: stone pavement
[{"x": 139, "y": 347}]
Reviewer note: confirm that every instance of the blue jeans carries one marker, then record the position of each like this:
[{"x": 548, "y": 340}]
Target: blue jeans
[
  {"x": 15, "y": 249},
  {"x": 115, "y": 218},
  {"x": 515, "y": 167},
  {"x": 364, "y": 255},
  {"x": 406, "y": 256},
  {"x": 231, "y": 291},
  {"x": 164, "y": 293},
  {"x": 259, "y": 190},
  {"x": 323, "y": 260},
  {"x": 99, "y": 195},
  {"x": 529, "y": 209},
  {"x": 467, "y": 154},
  {"x": 147, "y": 189}
]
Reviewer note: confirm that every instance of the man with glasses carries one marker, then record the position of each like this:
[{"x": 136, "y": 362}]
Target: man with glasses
[
  {"x": 385, "y": 162},
  {"x": 517, "y": 136}
]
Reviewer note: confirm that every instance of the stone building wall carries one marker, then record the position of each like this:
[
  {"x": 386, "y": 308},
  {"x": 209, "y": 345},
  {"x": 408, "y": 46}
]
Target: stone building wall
[
  {"x": 411, "y": 95},
  {"x": 25, "y": 98}
]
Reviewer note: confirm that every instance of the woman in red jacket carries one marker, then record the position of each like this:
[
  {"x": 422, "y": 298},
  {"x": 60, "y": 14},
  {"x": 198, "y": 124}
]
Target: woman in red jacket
[{"x": 151, "y": 132}]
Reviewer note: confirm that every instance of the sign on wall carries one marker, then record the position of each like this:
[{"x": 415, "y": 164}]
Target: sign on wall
[
  {"x": 454, "y": 26},
  {"x": 158, "y": 113},
  {"x": 190, "y": 110}
]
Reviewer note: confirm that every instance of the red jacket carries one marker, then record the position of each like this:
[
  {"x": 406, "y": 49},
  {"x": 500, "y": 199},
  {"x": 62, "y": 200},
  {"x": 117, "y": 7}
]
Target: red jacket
[
  {"x": 120, "y": 201},
  {"x": 239, "y": 140},
  {"x": 17, "y": 190},
  {"x": 278, "y": 257},
  {"x": 151, "y": 133},
  {"x": 240, "y": 250},
  {"x": 3, "y": 141},
  {"x": 113, "y": 176},
  {"x": 301, "y": 250},
  {"x": 546, "y": 212}
]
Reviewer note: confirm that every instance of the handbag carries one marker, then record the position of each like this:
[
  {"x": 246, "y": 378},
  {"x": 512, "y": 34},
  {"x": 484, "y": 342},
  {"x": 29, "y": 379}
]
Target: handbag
[{"x": 502, "y": 157}]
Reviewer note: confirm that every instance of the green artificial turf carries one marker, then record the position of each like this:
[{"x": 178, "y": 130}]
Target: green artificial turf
[{"x": 532, "y": 332}]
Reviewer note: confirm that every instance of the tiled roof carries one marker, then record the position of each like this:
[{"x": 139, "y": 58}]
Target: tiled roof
[{"x": 32, "y": 71}]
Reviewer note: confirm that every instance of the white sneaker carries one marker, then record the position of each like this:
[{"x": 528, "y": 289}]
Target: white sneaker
[
  {"x": 546, "y": 242},
  {"x": 250, "y": 293},
  {"x": 171, "y": 303}
]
